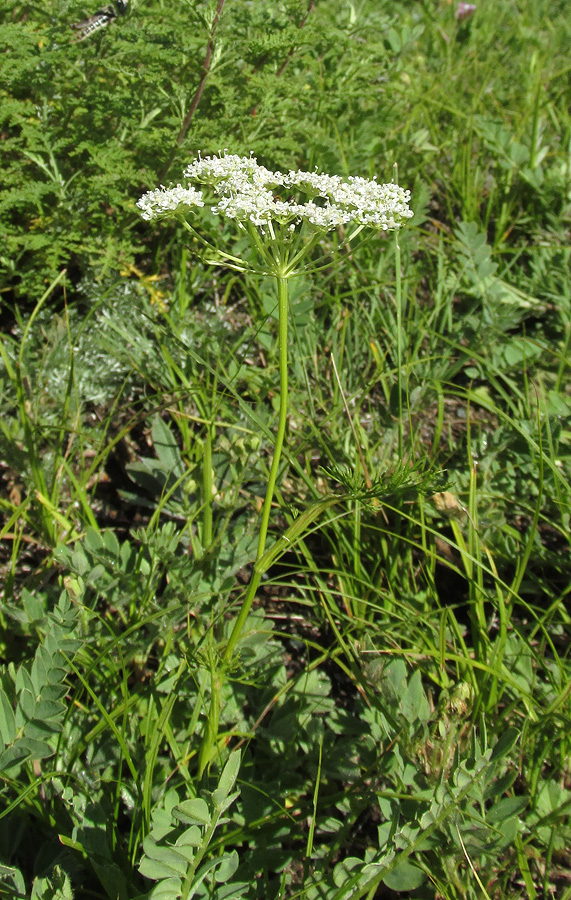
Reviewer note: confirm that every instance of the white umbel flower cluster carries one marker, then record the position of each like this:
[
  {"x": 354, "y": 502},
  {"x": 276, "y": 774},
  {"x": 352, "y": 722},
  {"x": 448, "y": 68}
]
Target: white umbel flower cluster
[
  {"x": 165, "y": 201},
  {"x": 245, "y": 191},
  {"x": 232, "y": 172}
]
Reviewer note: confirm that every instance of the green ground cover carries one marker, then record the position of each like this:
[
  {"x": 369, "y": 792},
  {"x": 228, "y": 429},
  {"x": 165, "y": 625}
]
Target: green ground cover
[{"x": 392, "y": 717}]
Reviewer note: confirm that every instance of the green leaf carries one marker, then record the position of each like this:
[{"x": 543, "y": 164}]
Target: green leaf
[
  {"x": 192, "y": 837},
  {"x": 227, "y": 778},
  {"x": 414, "y": 703},
  {"x": 93, "y": 541},
  {"x": 157, "y": 869},
  {"x": 24, "y": 682},
  {"x": 505, "y": 743},
  {"x": 192, "y": 812},
  {"x": 8, "y": 729},
  {"x": 36, "y": 749},
  {"x": 26, "y": 706},
  {"x": 225, "y": 804},
  {"x": 228, "y": 865},
  {"x": 506, "y": 808},
  {"x": 111, "y": 542},
  {"x": 405, "y": 877},
  {"x": 394, "y": 40},
  {"x": 344, "y": 869},
  {"x": 12, "y": 757},
  {"x": 169, "y": 889},
  {"x": 38, "y": 672},
  {"x": 210, "y": 865},
  {"x": 238, "y": 890},
  {"x": 177, "y": 858},
  {"x": 166, "y": 447},
  {"x": 34, "y": 605},
  {"x": 49, "y": 709},
  {"x": 41, "y": 730}
]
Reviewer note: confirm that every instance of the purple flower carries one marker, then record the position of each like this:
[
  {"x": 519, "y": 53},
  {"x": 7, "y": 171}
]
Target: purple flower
[{"x": 464, "y": 11}]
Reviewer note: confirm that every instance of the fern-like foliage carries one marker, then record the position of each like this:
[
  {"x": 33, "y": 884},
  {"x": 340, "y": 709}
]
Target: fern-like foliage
[
  {"x": 31, "y": 697},
  {"x": 402, "y": 481}
]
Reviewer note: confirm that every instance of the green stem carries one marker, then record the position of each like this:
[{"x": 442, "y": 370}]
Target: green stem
[
  {"x": 257, "y": 576},
  {"x": 398, "y": 292}
]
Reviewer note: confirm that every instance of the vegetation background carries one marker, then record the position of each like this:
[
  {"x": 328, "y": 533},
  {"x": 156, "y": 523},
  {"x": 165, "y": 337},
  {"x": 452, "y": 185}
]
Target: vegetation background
[{"x": 398, "y": 718}]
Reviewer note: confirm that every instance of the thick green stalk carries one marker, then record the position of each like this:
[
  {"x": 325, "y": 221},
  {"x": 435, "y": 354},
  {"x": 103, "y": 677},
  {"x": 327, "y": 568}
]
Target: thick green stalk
[{"x": 256, "y": 576}]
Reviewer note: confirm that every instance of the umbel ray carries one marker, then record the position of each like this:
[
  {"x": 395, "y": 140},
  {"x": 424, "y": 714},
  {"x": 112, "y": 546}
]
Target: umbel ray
[{"x": 99, "y": 20}]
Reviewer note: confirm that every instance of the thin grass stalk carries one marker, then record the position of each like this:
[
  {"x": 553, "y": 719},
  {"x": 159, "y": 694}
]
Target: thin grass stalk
[
  {"x": 207, "y": 492},
  {"x": 564, "y": 359},
  {"x": 182, "y": 293},
  {"x": 313, "y": 817},
  {"x": 474, "y": 574},
  {"x": 359, "y": 606}
]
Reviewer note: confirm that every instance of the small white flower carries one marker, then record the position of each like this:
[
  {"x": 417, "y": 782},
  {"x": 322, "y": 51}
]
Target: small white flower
[
  {"x": 313, "y": 183},
  {"x": 231, "y": 172},
  {"x": 167, "y": 200},
  {"x": 327, "y": 217},
  {"x": 255, "y": 204}
]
